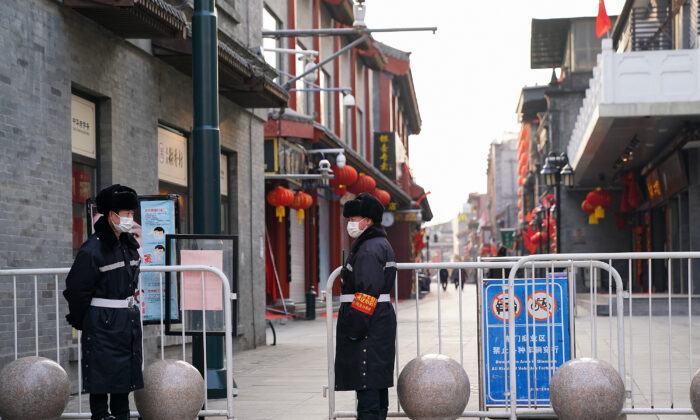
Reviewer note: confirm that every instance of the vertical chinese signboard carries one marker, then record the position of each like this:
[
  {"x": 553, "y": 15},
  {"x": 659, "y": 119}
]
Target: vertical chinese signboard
[
  {"x": 172, "y": 157},
  {"x": 385, "y": 154},
  {"x": 542, "y": 337}
]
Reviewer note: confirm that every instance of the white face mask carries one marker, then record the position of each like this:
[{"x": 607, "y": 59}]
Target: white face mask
[
  {"x": 125, "y": 224},
  {"x": 354, "y": 229}
]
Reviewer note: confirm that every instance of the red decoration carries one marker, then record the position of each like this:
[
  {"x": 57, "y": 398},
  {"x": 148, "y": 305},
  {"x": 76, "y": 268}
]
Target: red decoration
[
  {"x": 340, "y": 191},
  {"x": 418, "y": 243},
  {"x": 602, "y": 23},
  {"x": 382, "y": 196},
  {"x": 302, "y": 201},
  {"x": 279, "y": 198},
  {"x": 365, "y": 183},
  {"x": 630, "y": 193},
  {"x": 599, "y": 198},
  {"x": 342, "y": 177}
]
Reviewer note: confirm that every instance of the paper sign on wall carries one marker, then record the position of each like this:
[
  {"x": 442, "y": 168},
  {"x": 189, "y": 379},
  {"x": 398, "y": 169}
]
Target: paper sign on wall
[{"x": 192, "y": 280}]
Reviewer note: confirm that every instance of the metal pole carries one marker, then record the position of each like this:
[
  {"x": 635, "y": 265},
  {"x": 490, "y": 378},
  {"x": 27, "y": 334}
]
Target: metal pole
[
  {"x": 348, "y": 47},
  {"x": 205, "y": 156},
  {"x": 284, "y": 33},
  {"x": 558, "y": 224}
]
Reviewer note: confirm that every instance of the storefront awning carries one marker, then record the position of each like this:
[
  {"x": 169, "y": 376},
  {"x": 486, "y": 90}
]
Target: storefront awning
[
  {"x": 147, "y": 19},
  {"x": 241, "y": 80}
]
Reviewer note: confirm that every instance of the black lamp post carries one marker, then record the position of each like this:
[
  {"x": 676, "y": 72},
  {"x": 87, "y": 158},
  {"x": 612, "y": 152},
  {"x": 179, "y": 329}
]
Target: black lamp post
[
  {"x": 540, "y": 214},
  {"x": 557, "y": 171}
]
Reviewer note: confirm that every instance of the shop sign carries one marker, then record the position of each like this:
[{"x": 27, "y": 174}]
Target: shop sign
[
  {"x": 283, "y": 157},
  {"x": 172, "y": 157},
  {"x": 82, "y": 113},
  {"x": 656, "y": 195},
  {"x": 385, "y": 154},
  {"x": 408, "y": 216},
  {"x": 507, "y": 238}
]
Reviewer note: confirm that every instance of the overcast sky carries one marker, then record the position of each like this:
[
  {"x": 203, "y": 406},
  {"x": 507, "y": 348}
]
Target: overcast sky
[{"x": 468, "y": 78}]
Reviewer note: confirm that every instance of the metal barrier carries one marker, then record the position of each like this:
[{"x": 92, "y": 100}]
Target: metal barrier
[
  {"x": 624, "y": 346},
  {"x": 55, "y": 272}
]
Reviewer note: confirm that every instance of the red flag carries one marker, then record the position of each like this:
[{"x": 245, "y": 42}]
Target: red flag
[{"x": 602, "y": 23}]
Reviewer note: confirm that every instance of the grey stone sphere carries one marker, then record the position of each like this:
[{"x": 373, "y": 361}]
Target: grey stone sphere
[
  {"x": 33, "y": 388},
  {"x": 695, "y": 393},
  {"x": 173, "y": 390},
  {"x": 587, "y": 389},
  {"x": 433, "y": 387}
]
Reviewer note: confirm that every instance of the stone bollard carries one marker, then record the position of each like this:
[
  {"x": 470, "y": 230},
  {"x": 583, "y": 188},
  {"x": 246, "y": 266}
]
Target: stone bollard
[
  {"x": 433, "y": 387},
  {"x": 584, "y": 389},
  {"x": 173, "y": 390},
  {"x": 33, "y": 388},
  {"x": 695, "y": 393}
]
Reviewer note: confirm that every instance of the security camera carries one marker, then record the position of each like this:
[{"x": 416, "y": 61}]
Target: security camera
[{"x": 324, "y": 165}]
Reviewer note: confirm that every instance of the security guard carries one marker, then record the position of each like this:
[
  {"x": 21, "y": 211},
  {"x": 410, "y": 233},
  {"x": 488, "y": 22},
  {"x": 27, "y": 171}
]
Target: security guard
[
  {"x": 99, "y": 290},
  {"x": 366, "y": 335}
]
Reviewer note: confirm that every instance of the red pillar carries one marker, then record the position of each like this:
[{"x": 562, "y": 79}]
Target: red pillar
[{"x": 291, "y": 44}]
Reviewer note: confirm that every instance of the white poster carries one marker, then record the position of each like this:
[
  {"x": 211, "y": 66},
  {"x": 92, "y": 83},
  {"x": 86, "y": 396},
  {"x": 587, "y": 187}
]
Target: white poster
[
  {"x": 82, "y": 115},
  {"x": 172, "y": 157}
]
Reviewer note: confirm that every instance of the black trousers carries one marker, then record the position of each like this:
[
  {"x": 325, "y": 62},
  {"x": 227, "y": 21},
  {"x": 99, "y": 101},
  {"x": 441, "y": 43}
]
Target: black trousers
[
  {"x": 118, "y": 406},
  {"x": 372, "y": 404}
]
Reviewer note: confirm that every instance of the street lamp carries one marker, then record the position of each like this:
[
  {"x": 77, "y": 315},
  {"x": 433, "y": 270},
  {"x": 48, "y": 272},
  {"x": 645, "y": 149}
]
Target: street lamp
[{"x": 557, "y": 171}]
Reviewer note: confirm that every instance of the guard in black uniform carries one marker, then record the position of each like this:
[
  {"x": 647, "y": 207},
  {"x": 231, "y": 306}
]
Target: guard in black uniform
[
  {"x": 100, "y": 293},
  {"x": 366, "y": 335}
]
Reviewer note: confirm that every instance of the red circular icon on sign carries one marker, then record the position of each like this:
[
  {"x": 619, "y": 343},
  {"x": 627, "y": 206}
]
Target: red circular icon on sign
[
  {"x": 541, "y": 305},
  {"x": 500, "y": 308}
]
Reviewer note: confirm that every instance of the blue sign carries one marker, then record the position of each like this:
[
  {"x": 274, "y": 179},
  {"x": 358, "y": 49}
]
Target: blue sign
[
  {"x": 157, "y": 220},
  {"x": 542, "y": 337}
]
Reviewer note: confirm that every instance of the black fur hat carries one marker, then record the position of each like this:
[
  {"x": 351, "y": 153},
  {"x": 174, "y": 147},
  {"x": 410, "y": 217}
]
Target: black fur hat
[
  {"x": 116, "y": 197},
  {"x": 365, "y": 205}
]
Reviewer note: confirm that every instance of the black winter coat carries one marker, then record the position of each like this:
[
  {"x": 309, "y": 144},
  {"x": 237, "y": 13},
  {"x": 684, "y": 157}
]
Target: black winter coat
[
  {"x": 106, "y": 267},
  {"x": 365, "y": 344}
]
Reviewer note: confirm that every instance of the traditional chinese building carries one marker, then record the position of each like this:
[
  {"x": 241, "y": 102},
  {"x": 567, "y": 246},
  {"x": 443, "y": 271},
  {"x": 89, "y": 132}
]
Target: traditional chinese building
[{"x": 362, "y": 106}]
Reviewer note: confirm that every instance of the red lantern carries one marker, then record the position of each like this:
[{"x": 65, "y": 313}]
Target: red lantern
[
  {"x": 302, "y": 201},
  {"x": 278, "y": 198},
  {"x": 342, "y": 177},
  {"x": 599, "y": 199},
  {"x": 382, "y": 196},
  {"x": 365, "y": 183}
]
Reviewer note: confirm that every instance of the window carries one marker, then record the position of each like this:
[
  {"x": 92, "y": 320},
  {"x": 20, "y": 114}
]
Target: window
[
  {"x": 326, "y": 100},
  {"x": 347, "y": 124},
  {"x": 172, "y": 171},
  {"x": 361, "y": 139},
  {"x": 270, "y": 22},
  {"x": 229, "y": 192},
  {"x": 305, "y": 96},
  {"x": 84, "y": 164}
]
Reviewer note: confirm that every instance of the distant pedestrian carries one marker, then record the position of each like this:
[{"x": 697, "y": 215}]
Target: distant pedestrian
[
  {"x": 444, "y": 275},
  {"x": 99, "y": 290},
  {"x": 366, "y": 336}
]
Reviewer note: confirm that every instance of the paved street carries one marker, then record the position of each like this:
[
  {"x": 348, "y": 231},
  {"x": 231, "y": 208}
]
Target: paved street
[{"x": 286, "y": 381}]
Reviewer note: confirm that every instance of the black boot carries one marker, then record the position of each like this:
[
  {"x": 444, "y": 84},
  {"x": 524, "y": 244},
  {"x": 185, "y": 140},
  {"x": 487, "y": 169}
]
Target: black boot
[{"x": 109, "y": 418}]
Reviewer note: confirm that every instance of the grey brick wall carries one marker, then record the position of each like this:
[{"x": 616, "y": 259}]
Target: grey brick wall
[{"x": 47, "y": 51}]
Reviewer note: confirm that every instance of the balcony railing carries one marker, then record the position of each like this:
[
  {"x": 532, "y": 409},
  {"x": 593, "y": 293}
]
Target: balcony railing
[{"x": 637, "y": 83}]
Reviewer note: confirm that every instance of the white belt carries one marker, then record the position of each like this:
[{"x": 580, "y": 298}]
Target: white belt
[
  {"x": 349, "y": 298},
  {"x": 113, "y": 303}
]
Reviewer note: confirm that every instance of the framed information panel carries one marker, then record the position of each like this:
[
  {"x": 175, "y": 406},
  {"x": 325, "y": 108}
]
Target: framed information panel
[{"x": 193, "y": 293}]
